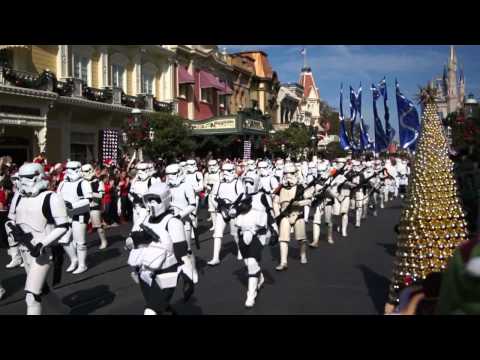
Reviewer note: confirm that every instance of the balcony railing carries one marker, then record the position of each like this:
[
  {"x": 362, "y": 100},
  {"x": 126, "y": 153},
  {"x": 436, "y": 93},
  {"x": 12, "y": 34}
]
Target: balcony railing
[{"x": 71, "y": 87}]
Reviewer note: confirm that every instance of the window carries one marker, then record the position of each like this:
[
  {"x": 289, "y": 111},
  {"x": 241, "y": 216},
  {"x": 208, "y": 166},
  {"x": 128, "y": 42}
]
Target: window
[
  {"x": 80, "y": 68},
  {"x": 183, "y": 91},
  {"x": 147, "y": 83},
  {"x": 207, "y": 95},
  {"x": 118, "y": 76}
]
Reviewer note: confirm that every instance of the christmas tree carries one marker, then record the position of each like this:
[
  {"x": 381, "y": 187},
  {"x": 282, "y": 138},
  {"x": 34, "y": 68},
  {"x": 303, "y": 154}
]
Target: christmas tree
[{"x": 432, "y": 223}]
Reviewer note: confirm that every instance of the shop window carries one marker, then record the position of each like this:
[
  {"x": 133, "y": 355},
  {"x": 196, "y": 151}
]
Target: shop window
[
  {"x": 183, "y": 91},
  {"x": 207, "y": 95}
]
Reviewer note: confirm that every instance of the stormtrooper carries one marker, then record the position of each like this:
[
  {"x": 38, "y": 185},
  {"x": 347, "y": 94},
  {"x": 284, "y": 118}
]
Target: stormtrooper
[
  {"x": 340, "y": 189},
  {"x": 39, "y": 220},
  {"x": 77, "y": 194},
  {"x": 323, "y": 204},
  {"x": 98, "y": 190},
  {"x": 212, "y": 177},
  {"x": 255, "y": 224},
  {"x": 226, "y": 193},
  {"x": 140, "y": 184},
  {"x": 310, "y": 178},
  {"x": 183, "y": 198},
  {"x": 13, "y": 249},
  {"x": 159, "y": 253},
  {"x": 250, "y": 169},
  {"x": 268, "y": 183},
  {"x": 293, "y": 197},
  {"x": 278, "y": 170},
  {"x": 357, "y": 198},
  {"x": 194, "y": 178},
  {"x": 403, "y": 171},
  {"x": 390, "y": 182}
]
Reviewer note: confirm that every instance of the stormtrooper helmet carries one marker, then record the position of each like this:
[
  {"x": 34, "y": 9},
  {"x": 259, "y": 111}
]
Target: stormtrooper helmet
[
  {"x": 157, "y": 199},
  {"x": 263, "y": 168},
  {"x": 312, "y": 169},
  {"x": 228, "y": 172},
  {"x": 88, "y": 172},
  {"x": 252, "y": 183},
  {"x": 340, "y": 163},
  {"x": 32, "y": 179},
  {"x": 73, "y": 172},
  {"x": 183, "y": 164},
  {"x": 175, "y": 175},
  {"x": 290, "y": 177},
  {"x": 151, "y": 169},
  {"x": 279, "y": 164},
  {"x": 213, "y": 167},
  {"x": 251, "y": 165},
  {"x": 356, "y": 165},
  {"x": 191, "y": 166},
  {"x": 143, "y": 171},
  {"x": 322, "y": 166}
]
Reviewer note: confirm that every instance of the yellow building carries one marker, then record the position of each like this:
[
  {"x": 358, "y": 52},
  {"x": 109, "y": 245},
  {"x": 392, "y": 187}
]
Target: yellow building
[{"x": 59, "y": 98}]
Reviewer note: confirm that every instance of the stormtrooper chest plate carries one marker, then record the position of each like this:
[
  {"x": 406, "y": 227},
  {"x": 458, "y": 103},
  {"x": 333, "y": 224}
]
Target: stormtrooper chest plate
[
  {"x": 29, "y": 213},
  {"x": 227, "y": 191},
  {"x": 140, "y": 187},
  {"x": 69, "y": 191}
]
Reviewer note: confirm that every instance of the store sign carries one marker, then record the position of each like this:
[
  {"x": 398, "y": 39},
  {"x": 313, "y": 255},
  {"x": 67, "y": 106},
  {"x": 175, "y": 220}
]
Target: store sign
[
  {"x": 228, "y": 123},
  {"x": 253, "y": 124}
]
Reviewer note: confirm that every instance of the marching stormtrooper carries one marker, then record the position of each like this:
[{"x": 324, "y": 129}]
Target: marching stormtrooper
[
  {"x": 251, "y": 169},
  {"x": 403, "y": 171},
  {"x": 13, "y": 249},
  {"x": 255, "y": 223},
  {"x": 293, "y": 197},
  {"x": 194, "y": 178},
  {"x": 212, "y": 178},
  {"x": 159, "y": 253},
  {"x": 140, "y": 184},
  {"x": 77, "y": 194},
  {"x": 278, "y": 170},
  {"x": 225, "y": 193},
  {"x": 38, "y": 221},
  {"x": 183, "y": 200},
  {"x": 340, "y": 189},
  {"x": 268, "y": 183},
  {"x": 357, "y": 198},
  {"x": 390, "y": 182},
  {"x": 323, "y": 208},
  {"x": 98, "y": 190}
]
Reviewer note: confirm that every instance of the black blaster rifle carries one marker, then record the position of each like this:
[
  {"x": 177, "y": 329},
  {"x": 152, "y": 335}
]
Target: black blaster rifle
[
  {"x": 300, "y": 191},
  {"x": 25, "y": 239},
  {"x": 240, "y": 205}
]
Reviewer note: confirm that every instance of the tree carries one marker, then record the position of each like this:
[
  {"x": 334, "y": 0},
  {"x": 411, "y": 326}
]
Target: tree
[
  {"x": 172, "y": 137},
  {"x": 432, "y": 223},
  {"x": 291, "y": 141}
]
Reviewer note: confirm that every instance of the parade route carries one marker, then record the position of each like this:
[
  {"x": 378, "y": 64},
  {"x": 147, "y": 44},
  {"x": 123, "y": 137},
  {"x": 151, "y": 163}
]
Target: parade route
[{"x": 348, "y": 277}]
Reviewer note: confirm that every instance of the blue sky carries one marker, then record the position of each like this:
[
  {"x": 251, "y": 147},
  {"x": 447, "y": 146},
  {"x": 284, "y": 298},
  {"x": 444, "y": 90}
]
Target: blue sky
[{"x": 412, "y": 65}]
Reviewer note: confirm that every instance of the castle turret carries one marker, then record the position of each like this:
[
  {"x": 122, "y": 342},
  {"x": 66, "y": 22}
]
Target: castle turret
[{"x": 452, "y": 96}]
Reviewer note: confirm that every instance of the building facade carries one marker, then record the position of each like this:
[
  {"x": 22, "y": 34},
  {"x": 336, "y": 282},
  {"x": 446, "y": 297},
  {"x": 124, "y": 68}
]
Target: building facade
[
  {"x": 310, "y": 104},
  {"x": 288, "y": 106},
  {"x": 59, "y": 99}
]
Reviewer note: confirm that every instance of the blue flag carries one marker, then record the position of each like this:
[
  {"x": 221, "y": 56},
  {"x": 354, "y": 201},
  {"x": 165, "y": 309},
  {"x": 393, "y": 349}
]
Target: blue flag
[
  {"x": 408, "y": 121},
  {"x": 353, "y": 116},
  {"x": 389, "y": 131},
  {"x": 365, "y": 142},
  {"x": 344, "y": 142},
  {"x": 381, "y": 140}
]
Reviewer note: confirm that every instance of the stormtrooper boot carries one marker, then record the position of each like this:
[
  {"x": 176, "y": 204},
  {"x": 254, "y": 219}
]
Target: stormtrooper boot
[
  {"x": 17, "y": 260},
  {"x": 149, "y": 312},
  {"x": 212, "y": 216},
  {"x": 358, "y": 217},
  {"x": 261, "y": 280},
  {"x": 303, "y": 252},
  {"x": 2, "y": 292},
  {"x": 283, "y": 256},
  {"x": 103, "y": 238},
  {"x": 252, "y": 291},
  {"x": 344, "y": 224},
  {"x": 82, "y": 257},
  {"x": 364, "y": 211},
  {"x": 217, "y": 243},
  {"x": 316, "y": 236},
  {"x": 330, "y": 233},
  {"x": 72, "y": 255},
  {"x": 239, "y": 254},
  {"x": 34, "y": 307}
]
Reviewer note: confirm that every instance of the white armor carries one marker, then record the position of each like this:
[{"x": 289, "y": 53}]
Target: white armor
[
  {"x": 41, "y": 214},
  {"x": 403, "y": 172},
  {"x": 164, "y": 258},
  {"x": 194, "y": 178},
  {"x": 77, "y": 194},
  {"x": 340, "y": 188},
  {"x": 140, "y": 185},
  {"x": 98, "y": 190},
  {"x": 183, "y": 198},
  {"x": 13, "y": 249},
  {"x": 324, "y": 204},
  {"x": 212, "y": 178},
  {"x": 229, "y": 189}
]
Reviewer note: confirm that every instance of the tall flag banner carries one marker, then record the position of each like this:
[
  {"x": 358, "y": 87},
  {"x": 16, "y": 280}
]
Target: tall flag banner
[
  {"x": 381, "y": 140},
  {"x": 365, "y": 142},
  {"x": 408, "y": 121},
  {"x": 353, "y": 116},
  {"x": 344, "y": 141},
  {"x": 389, "y": 131}
]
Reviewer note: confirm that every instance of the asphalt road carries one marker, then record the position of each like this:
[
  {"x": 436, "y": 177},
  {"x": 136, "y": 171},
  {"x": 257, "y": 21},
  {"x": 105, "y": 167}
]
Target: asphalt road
[{"x": 348, "y": 277}]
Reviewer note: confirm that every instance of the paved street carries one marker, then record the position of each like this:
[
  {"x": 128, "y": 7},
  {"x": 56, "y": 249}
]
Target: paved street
[{"x": 349, "y": 277}]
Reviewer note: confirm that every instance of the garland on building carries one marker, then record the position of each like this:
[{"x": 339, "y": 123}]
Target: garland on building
[{"x": 432, "y": 223}]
